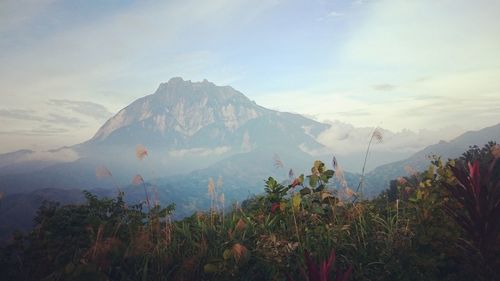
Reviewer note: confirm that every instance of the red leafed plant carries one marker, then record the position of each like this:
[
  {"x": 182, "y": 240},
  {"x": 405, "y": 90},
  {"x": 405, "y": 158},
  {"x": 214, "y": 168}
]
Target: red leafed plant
[
  {"x": 475, "y": 204},
  {"x": 321, "y": 271}
]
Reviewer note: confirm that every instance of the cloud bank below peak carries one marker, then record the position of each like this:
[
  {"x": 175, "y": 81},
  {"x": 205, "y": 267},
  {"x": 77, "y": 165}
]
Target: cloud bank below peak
[{"x": 344, "y": 139}]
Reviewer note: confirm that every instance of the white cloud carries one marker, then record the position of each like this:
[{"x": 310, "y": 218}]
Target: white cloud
[
  {"x": 60, "y": 155},
  {"x": 446, "y": 35},
  {"x": 399, "y": 52},
  {"x": 334, "y": 14},
  {"x": 344, "y": 139},
  {"x": 199, "y": 151}
]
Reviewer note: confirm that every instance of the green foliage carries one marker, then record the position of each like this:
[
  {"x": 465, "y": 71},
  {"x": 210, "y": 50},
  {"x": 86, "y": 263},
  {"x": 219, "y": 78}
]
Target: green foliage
[
  {"x": 319, "y": 176},
  {"x": 275, "y": 191},
  {"x": 476, "y": 206},
  {"x": 404, "y": 234}
]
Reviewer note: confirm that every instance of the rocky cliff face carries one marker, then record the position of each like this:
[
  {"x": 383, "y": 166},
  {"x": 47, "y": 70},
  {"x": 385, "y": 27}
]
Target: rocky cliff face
[{"x": 182, "y": 108}]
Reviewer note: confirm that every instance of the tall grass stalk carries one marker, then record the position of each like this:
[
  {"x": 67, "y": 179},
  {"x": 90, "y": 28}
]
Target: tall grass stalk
[{"x": 376, "y": 134}]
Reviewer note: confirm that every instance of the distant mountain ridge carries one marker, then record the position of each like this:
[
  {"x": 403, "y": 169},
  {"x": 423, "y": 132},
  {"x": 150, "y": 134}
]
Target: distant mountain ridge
[{"x": 379, "y": 178}]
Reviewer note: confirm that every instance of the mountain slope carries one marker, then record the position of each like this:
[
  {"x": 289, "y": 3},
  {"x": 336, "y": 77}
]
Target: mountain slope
[
  {"x": 379, "y": 178},
  {"x": 178, "y": 110},
  {"x": 185, "y": 126}
]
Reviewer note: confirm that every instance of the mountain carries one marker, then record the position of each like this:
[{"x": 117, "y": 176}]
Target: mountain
[
  {"x": 185, "y": 126},
  {"x": 191, "y": 130},
  {"x": 181, "y": 112},
  {"x": 194, "y": 131},
  {"x": 188, "y": 126},
  {"x": 378, "y": 179}
]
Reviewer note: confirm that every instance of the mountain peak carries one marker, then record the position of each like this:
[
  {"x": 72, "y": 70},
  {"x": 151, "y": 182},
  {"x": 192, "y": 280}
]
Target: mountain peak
[
  {"x": 177, "y": 86},
  {"x": 184, "y": 107},
  {"x": 176, "y": 80}
]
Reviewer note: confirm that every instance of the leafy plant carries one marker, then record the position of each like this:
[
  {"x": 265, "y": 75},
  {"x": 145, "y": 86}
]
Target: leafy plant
[
  {"x": 321, "y": 271},
  {"x": 403, "y": 234},
  {"x": 476, "y": 205}
]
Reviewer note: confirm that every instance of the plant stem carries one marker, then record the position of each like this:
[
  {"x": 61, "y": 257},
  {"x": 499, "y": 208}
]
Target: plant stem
[
  {"x": 147, "y": 196},
  {"x": 362, "y": 178}
]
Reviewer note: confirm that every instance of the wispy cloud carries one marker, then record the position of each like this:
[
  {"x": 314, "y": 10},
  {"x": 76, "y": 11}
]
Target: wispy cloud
[
  {"x": 353, "y": 113},
  {"x": 50, "y": 118},
  {"x": 60, "y": 155},
  {"x": 20, "y": 114},
  {"x": 64, "y": 120},
  {"x": 87, "y": 108},
  {"x": 384, "y": 87},
  {"x": 334, "y": 14},
  {"x": 200, "y": 151},
  {"x": 41, "y": 131}
]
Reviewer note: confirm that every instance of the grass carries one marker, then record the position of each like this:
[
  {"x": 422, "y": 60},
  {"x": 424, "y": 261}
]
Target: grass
[{"x": 298, "y": 231}]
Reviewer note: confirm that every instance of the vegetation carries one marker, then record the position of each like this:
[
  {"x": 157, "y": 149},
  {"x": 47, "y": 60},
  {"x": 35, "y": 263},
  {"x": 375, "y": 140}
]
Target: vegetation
[{"x": 441, "y": 224}]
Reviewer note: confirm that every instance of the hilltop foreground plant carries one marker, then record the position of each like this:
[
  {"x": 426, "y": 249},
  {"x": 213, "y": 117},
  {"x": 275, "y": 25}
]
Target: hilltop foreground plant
[
  {"x": 290, "y": 231},
  {"x": 476, "y": 204},
  {"x": 322, "y": 271}
]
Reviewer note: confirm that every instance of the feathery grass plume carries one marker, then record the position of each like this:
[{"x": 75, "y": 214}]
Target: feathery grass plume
[
  {"x": 495, "y": 151},
  {"x": 141, "y": 151},
  {"x": 138, "y": 180},
  {"x": 349, "y": 192},
  {"x": 377, "y": 135},
  {"x": 102, "y": 172},
  {"x": 219, "y": 183},
  {"x": 339, "y": 176},
  {"x": 239, "y": 251},
  {"x": 240, "y": 225},
  {"x": 155, "y": 193},
  {"x": 222, "y": 200},
  {"x": 169, "y": 228},
  {"x": 334, "y": 163},
  {"x": 278, "y": 164},
  {"x": 213, "y": 196},
  {"x": 211, "y": 188},
  {"x": 221, "y": 197}
]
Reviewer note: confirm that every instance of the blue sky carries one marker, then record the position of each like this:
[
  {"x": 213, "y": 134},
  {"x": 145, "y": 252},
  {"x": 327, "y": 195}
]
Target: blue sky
[{"x": 66, "y": 66}]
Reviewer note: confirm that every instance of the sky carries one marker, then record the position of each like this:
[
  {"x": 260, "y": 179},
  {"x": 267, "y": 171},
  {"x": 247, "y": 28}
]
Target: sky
[{"x": 67, "y": 66}]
